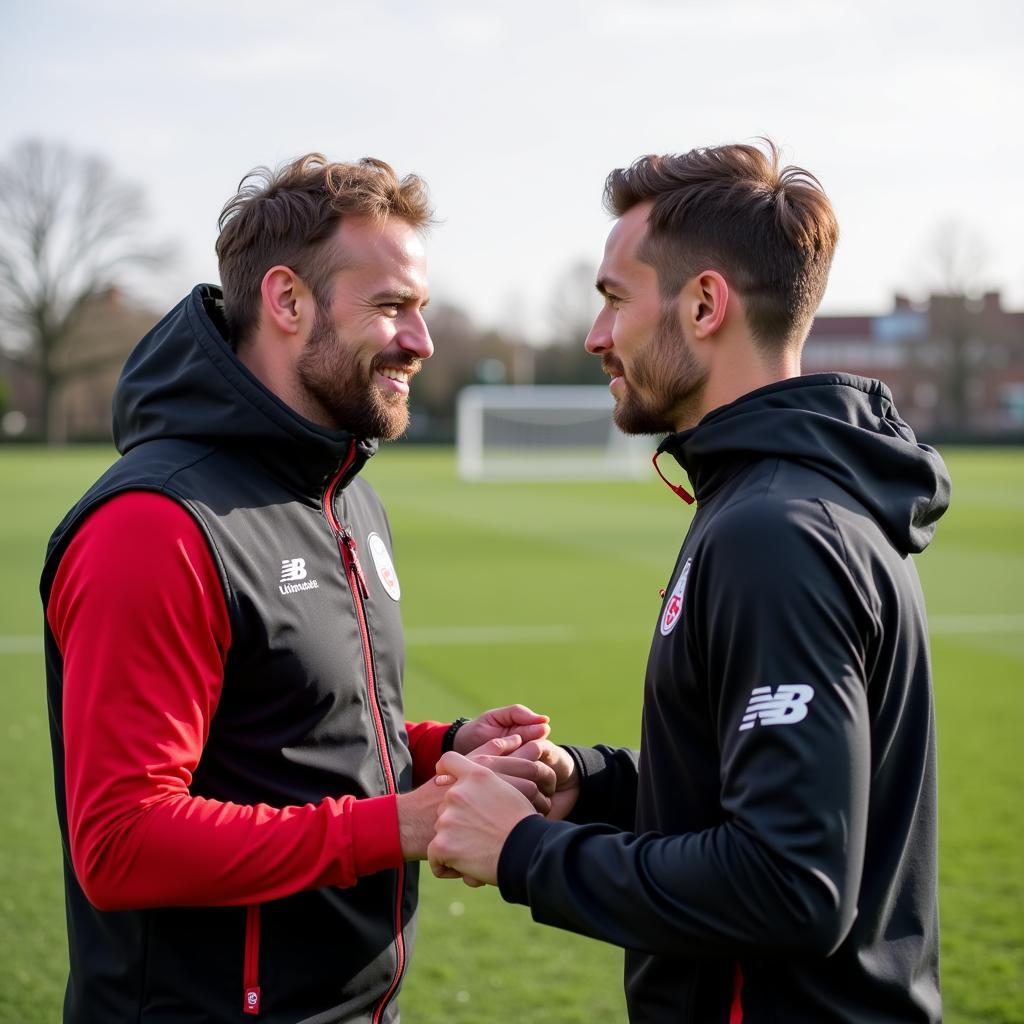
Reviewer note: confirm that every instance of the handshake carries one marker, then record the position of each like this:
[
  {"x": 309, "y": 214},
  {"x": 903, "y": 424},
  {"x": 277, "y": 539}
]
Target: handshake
[{"x": 501, "y": 769}]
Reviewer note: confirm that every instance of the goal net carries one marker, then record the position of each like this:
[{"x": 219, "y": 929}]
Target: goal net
[{"x": 545, "y": 432}]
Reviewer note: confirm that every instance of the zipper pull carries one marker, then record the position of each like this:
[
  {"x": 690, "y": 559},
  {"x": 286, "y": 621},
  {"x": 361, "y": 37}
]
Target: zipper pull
[
  {"x": 252, "y": 1000},
  {"x": 350, "y": 543},
  {"x": 676, "y": 488}
]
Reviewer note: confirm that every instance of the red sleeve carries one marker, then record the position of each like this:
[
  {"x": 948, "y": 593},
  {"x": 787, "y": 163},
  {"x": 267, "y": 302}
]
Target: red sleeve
[
  {"x": 425, "y": 744},
  {"x": 139, "y": 615}
]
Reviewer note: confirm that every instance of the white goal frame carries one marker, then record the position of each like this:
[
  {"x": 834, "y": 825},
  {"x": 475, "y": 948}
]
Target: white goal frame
[{"x": 548, "y": 406}]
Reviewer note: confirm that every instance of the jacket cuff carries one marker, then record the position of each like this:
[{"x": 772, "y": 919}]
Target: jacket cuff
[
  {"x": 376, "y": 845},
  {"x": 517, "y": 853},
  {"x": 590, "y": 764},
  {"x": 426, "y": 744}
]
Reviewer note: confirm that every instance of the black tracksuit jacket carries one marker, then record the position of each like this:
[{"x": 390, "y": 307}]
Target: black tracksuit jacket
[{"x": 770, "y": 856}]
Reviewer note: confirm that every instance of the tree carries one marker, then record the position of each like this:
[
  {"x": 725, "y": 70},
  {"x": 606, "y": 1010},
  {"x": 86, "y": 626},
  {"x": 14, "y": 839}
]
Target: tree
[
  {"x": 958, "y": 258},
  {"x": 68, "y": 229},
  {"x": 575, "y": 303},
  {"x": 461, "y": 350}
]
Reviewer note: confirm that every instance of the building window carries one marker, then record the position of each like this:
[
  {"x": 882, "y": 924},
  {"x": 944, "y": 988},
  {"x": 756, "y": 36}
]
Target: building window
[{"x": 1011, "y": 398}]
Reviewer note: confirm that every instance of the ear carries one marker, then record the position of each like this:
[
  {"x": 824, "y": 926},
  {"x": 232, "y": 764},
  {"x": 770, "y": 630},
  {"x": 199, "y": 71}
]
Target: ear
[
  {"x": 703, "y": 303},
  {"x": 287, "y": 302}
]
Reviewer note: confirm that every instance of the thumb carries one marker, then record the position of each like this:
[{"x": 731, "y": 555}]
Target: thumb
[
  {"x": 519, "y": 714},
  {"x": 454, "y": 765}
]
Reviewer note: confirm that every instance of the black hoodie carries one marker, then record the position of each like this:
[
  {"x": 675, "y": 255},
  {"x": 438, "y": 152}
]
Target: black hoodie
[
  {"x": 771, "y": 855},
  {"x": 310, "y": 707}
]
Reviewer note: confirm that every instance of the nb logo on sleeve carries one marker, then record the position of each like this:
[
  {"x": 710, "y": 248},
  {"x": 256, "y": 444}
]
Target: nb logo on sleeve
[{"x": 786, "y": 706}]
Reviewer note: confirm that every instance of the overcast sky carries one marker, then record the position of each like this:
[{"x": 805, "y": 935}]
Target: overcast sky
[{"x": 909, "y": 113}]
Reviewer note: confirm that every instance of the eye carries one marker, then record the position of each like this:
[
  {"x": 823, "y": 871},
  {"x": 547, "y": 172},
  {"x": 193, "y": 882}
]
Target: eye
[{"x": 612, "y": 300}]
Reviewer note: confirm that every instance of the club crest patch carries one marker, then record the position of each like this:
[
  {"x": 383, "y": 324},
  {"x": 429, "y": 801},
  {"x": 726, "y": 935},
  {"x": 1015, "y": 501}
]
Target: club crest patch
[
  {"x": 674, "y": 602},
  {"x": 384, "y": 566}
]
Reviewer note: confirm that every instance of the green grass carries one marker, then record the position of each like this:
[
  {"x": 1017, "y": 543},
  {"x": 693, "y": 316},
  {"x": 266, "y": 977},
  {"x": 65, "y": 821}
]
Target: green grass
[{"x": 590, "y": 559}]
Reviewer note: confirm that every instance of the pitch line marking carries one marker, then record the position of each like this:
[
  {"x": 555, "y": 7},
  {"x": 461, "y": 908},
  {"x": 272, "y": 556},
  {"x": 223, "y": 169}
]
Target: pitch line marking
[
  {"x": 462, "y": 636},
  {"x": 458, "y": 636},
  {"x": 415, "y": 636},
  {"x": 976, "y": 623},
  {"x": 26, "y": 644}
]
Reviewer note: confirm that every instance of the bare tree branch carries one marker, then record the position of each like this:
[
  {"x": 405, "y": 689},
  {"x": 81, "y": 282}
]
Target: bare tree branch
[
  {"x": 84, "y": 367},
  {"x": 956, "y": 257},
  {"x": 574, "y": 304},
  {"x": 959, "y": 256},
  {"x": 68, "y": 226}
]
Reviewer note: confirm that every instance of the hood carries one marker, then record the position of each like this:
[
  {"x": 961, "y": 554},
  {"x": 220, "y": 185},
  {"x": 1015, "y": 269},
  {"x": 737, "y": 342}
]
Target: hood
[
  {"x": 183, "y": 381},
  {"x": 844, "y": 427}
]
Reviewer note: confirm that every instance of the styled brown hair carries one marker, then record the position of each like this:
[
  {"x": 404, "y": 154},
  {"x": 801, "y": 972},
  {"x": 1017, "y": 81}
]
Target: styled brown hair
[
  {"x": 769, "y": 230},
  {"x": 288, "y": 217}
]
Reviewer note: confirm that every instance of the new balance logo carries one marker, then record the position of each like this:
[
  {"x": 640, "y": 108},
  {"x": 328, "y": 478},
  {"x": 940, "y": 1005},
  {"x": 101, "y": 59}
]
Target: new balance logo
[
  {"x": 293, "y": 576},
  {"x": 293, "y": 569},
  {"x": 786, "y": 706}
]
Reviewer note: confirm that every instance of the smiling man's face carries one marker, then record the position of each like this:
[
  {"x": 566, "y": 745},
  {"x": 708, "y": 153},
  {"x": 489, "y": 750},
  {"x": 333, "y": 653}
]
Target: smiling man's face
[
  {"x": 655, "y": 377},
  {"x": 363, "y": 350}
]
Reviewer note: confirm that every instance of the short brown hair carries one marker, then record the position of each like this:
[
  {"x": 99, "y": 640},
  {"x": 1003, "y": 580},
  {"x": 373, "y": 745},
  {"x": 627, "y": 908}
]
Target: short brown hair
[
  {"x": 770, "y": 230},
  {"x": 288, "y": 216}
]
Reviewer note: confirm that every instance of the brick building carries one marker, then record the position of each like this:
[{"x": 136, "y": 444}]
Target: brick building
[{"x": 954, "y": 364}]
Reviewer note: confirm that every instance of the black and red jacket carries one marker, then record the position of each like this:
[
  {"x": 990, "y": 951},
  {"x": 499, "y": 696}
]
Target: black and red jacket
[
  {"x": 224, "y": 660},
  {"x": 770, "y": 857}
]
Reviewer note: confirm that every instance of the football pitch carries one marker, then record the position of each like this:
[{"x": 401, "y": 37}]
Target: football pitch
[{"x": 547, "y": 594}]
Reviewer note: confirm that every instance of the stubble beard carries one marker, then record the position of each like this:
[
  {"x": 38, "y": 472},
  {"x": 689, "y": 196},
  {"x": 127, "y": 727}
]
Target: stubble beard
[
  {"x": 665, "y": 383},
  {"x": 341, "y": 390}
]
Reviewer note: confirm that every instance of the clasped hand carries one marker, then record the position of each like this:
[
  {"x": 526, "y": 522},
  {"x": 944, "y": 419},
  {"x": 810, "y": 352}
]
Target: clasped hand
[
  {"x": 487, "y": 793},
  {"x": 501, "y": 769}
]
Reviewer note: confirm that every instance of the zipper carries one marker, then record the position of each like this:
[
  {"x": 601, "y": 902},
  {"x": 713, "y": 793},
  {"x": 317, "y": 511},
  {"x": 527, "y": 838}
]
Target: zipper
[
  {"x": 347, "y": 538},
  {"x": 251, "y": 970},
  {"x": 360, "y": 595}
]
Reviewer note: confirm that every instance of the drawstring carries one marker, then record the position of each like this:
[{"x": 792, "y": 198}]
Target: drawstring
[{"x": 681, "y": 491}]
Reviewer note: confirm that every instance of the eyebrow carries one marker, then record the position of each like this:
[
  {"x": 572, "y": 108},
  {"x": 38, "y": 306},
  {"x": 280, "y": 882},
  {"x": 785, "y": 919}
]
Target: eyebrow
[
  {"x": 402, "y": 295},
  {"x": 605, "y": 283}
]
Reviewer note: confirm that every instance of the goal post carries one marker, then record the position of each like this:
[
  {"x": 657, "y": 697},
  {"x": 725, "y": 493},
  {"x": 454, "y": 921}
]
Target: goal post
[{"x": 545, "y": 432}]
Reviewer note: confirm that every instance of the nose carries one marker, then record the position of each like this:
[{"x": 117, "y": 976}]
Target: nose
[
  {"x": 415, "y": 338},
  {"x": 599, "y": 339}
]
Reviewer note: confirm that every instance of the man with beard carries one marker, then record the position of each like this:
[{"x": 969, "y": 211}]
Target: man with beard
[
  {"x": 771, "y": 854},
  {"x": 238, "y": 793}
]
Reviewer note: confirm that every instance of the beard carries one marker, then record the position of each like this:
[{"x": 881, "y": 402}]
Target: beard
[
  {"x": 341, "y": 390},
  {"x": 665, "y": 383}
]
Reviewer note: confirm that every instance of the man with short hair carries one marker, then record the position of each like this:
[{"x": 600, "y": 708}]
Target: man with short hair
[
  {"x": 234, "y": 776},
  {"x": 771, "y": 854}
]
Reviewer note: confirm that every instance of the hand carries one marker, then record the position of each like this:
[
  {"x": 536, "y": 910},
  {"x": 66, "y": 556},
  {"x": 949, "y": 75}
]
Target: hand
[
  {"x": 508, "y": 721},
  {"x": 478, "y": 812},
  {"x": 560, "y": 761},
  {"x": 524, "y": 771},
  {"x": 522, "y": 766}
]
